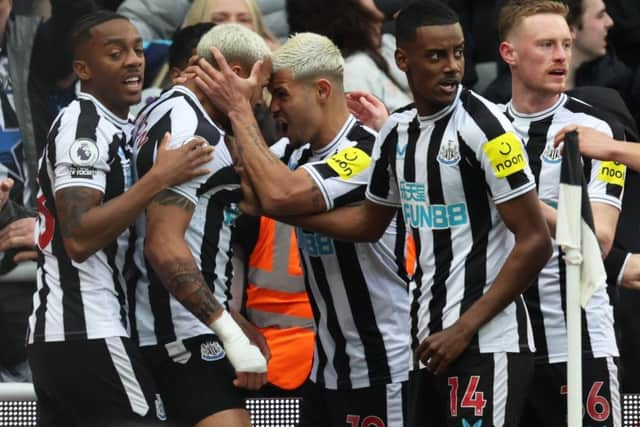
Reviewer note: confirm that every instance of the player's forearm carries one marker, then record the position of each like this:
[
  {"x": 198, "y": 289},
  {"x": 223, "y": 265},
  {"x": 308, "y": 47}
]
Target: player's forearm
[
  {"x": 173, "y": 262},
  {"x": 87, "y": 229},
  {"x": 627, "y": 153},
  {"x": 271, "y": 179},
  {"x": 352, "y": 223},
  {"x": 528, "y": 256}
]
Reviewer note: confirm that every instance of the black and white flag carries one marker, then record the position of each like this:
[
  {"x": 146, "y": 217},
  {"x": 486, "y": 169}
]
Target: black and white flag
[{"x": 574, "y": 227}]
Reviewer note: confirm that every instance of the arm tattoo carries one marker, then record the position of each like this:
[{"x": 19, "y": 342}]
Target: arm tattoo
[
  {"x": 253, "y": 133},
  {"x": 169, "y": 198},
  {"x": 187, "y": 284},
  {"x": 72, "y": 203}
]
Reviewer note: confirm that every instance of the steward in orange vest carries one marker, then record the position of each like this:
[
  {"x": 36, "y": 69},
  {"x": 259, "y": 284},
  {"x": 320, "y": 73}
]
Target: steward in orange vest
[{"x": 275, "y": 299}]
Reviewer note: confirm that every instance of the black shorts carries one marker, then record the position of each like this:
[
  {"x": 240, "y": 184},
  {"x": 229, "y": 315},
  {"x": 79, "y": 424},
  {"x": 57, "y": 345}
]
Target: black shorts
[
  {"x": 381, "y": 405},
  {"x": 100, "y": 382},
  {"x": 195, "y": 378},
  {"x": 546, "y": 402},
  {"x": 477, "y": 390}
]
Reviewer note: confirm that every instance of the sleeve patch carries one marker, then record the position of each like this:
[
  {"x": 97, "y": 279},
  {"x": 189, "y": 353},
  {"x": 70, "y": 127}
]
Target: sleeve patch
[
  {"x": 612, "y": 173},
  {"x": 84, "y": 152},
  {"x": 349, "y": 162},
  {"x": 505, "y": 154}
]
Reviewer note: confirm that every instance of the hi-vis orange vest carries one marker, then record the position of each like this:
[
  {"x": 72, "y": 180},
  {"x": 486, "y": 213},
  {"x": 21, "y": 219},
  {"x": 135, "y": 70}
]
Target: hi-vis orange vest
[{"x": 277, "y": 303}]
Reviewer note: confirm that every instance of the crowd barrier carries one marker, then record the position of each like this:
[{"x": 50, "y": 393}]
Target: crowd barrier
[{"x": 18, "y": 408}]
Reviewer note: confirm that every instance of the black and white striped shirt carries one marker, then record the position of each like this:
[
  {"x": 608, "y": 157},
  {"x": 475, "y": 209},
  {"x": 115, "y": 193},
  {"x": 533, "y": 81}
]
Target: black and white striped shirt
[
  {"x": 160, "y": 318},
  {"x": 358, "y": 291},
  {"x": 546, "y": 299},
  {"x": 447, "y": 172},
  {"x": 87, "y": 147}
]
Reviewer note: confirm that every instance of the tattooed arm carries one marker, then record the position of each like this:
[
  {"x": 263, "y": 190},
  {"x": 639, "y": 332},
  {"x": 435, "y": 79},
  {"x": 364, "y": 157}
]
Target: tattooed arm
[
  {"x": 279, "y": 190},
  {"x": 87, "y": 224},
  {"x": 168, "y": 217}
]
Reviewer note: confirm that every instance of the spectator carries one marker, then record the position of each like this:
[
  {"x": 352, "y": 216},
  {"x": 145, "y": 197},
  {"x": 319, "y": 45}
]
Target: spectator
[
  {"x": 355, "y": 27},
  {"x": 158, "y": 19},
  {"x": 244, "y": 12}
]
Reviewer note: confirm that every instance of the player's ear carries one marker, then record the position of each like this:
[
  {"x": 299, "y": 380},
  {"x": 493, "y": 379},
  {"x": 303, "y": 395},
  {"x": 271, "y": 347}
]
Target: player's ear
[
  {"x": 401, "y": 59},
  {"x": 82, "y": 69},
  {"x": 324, "y": 88}
]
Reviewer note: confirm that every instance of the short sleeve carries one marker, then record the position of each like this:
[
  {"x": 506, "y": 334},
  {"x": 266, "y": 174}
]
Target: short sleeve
[
  {"x": 80, "y": 161},
  {"x": 383, "y": 188},
  {"x": 499, "y": 151},
  {"x": 606, "y": 182},
  {"x": 342, "y": 178}
]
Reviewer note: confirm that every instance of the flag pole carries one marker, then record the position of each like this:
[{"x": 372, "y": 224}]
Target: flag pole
[
  {"x": 573, "y": 260},
  {"x": 569, "y": 235}
]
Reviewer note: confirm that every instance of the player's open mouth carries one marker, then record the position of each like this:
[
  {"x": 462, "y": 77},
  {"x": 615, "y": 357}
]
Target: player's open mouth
[
  {"x": 449, "y": 86},
  {"x": 560, "y": 72},
  {"x": 284, "y": 126},
  {"x": 133, "y": 83}
]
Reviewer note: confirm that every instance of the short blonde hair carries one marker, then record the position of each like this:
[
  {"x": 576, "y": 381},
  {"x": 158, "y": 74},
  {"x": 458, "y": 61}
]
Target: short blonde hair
[
  {"x": 309, "y": 55},
  {"x": 200, "y": 11},
  {"x": 236, "y": 43},
  {"x": 515, "y": 11}
]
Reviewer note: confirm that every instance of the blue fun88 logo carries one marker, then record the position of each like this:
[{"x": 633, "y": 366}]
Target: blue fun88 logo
[
  {"x": 314, "y": 244},
  {"x": 418, "y": 214}
]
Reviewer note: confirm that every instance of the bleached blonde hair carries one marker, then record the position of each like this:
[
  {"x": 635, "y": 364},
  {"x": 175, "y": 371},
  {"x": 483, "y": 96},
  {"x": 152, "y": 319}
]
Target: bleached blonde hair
[
  {"x": 309, "y": 55},
  {"x": 236, "y": 43}
]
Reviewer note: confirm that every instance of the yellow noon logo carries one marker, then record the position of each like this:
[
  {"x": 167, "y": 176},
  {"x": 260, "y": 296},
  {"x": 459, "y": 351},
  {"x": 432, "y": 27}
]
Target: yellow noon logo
[
  {"x": 349, "y": 162},
  {"x": 612, "y": 173},
  {"x": 505, "y": 154}
]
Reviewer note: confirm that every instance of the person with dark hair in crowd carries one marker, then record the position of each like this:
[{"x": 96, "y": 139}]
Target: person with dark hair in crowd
[
  {"x": 86, "y": 370},
  {"x": 355, "y": 27}
]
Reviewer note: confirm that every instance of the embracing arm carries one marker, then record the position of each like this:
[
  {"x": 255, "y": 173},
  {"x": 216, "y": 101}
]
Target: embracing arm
[
  {"x": 365, "y": 222},
  {"x": 279, "y": 190},
  {"x": 530, "y": 253},
  {"x": 88, "y": 225}
]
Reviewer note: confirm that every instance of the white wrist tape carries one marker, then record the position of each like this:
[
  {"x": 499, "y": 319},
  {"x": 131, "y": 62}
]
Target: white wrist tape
[{"x": 244, "y": 356}]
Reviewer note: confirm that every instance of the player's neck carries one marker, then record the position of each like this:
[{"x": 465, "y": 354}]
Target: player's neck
[
  {"x": 120, "y": 111},
  {"x": 335, "y": 117},
  {"x": 204, "y": 101},
  {"x": 527, "y": 101}
]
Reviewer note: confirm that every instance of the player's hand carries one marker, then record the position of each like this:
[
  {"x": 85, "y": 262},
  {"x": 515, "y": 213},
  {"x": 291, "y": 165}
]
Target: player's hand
[
  {"x": 249, "y": 380},
  {"x": 254, "y": 335},
  {"x": 631, "y": 274},
  {"x": 249, "y": 363},
  {"x": 367, "y": 109},
  {"x": 5, "y": 188},
  {"x": 441, "y": 349},
  {"x": 182, "y": 164},
  {"x": 223, "y": 87},
  {"x": 18, "y": 235},
  {"x": 592, "y": 143}
]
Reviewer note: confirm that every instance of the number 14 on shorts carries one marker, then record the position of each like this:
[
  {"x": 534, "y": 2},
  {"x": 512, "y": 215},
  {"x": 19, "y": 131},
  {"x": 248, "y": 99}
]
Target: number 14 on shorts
[{"x": 472, "y": 398}]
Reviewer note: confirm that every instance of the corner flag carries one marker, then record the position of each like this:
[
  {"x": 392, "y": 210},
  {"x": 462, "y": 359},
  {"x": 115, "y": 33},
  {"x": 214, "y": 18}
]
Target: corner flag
[{"x": 574, "y": 227}]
